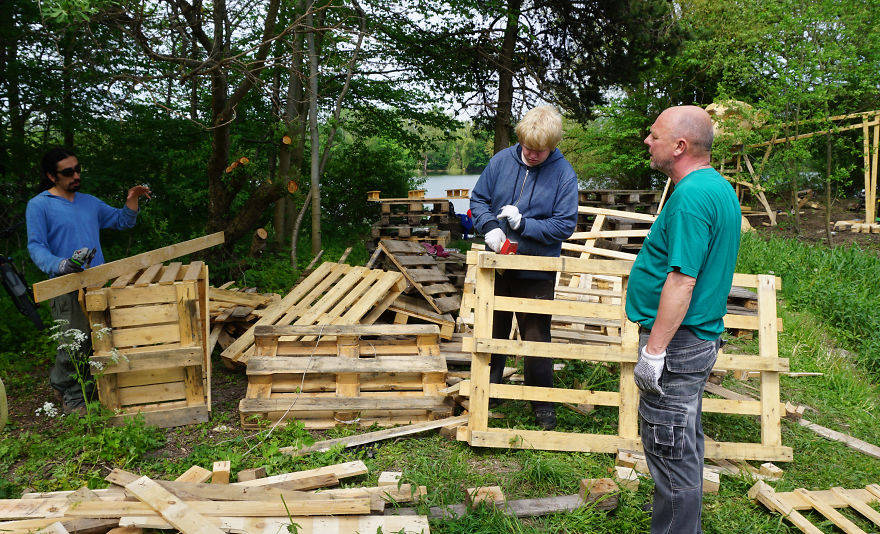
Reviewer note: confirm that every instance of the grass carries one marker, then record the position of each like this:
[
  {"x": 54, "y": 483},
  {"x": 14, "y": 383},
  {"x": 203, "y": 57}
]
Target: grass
[{"x": 827, "y": 305}]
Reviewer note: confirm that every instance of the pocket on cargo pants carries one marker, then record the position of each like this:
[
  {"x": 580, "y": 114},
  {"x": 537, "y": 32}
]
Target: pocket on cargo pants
[{"x": 662, "y": 427}]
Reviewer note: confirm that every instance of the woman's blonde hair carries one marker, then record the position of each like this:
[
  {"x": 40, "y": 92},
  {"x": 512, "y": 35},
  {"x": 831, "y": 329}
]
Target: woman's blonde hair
[{"x": 540, "y": 128}]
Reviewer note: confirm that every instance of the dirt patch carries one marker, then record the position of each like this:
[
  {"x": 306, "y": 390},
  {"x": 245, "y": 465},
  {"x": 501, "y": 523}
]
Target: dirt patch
[
  {"x": 812, "y": 225},
  {"x": 493, "y": 465}
]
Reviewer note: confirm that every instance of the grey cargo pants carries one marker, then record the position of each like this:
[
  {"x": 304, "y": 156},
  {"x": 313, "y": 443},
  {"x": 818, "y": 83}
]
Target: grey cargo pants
[{"x": 672, "y": 433}]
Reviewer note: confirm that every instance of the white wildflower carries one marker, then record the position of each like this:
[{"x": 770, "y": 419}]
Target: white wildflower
[
  {"x": 96, "y": 365},
  {"x": 48, "y": 409}
]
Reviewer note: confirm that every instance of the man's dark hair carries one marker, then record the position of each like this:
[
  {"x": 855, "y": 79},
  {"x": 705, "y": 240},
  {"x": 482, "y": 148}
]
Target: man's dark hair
[{"x": 49, "y": 164}]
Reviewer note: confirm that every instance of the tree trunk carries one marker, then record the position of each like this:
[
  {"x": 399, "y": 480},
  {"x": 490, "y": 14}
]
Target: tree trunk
[
  {"x": 794, "y": 179},
  {"x": 294, "y": 234},
  {"x": 828, "y": 185},
  {"x": 286, "y": 160},
  {"x": 313, "y": 128},
  {"x": 505, "y": 77},
  {"x": 67, "y": 91},
  {"x": 283, "y": 161}
]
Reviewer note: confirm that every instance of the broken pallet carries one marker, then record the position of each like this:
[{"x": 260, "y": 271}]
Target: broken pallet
[{"x": 422, "y": 272}]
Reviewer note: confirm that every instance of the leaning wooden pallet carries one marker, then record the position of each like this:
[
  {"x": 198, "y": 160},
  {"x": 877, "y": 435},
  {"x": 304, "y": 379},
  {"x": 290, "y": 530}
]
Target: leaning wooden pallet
[
  {"x": 622, "y": 351},
  {"x": 334, "y": 293},
  {"x": 421, "y": 271},
  {"x": 149, "y": 335},
  {"x": 826, "y": 502},
  {"x": 364, "y": 374}
]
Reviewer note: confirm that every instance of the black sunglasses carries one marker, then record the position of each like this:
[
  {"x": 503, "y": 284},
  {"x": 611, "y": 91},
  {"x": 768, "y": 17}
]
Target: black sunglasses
[{"x": 70, "y": 171}]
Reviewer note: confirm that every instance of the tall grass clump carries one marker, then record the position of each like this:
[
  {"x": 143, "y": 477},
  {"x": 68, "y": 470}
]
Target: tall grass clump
[{"x": 840, "y": 286}]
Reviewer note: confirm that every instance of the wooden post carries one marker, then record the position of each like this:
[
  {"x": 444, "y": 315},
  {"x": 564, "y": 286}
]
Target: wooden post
[
  {"x": 663, "y": 196},
  {"x": 866, "y": 132},
  {"x": 484, "y": 309},
  {"x": 628, "y": 418},
  {"x": 871, "y": 192},
  {"x": 347, "y": 384},
  {"x": 771, "y": 432}
]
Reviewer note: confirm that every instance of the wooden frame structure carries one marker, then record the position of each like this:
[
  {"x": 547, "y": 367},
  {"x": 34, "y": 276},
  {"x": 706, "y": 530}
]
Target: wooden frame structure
[
  {"x": 622, "y": 351},
  {"x": 334, "y": 375},
  {"x": 149, "y": 336},
  {"x": 826, "y": 502},
  {"x": 865, "y": 121}
]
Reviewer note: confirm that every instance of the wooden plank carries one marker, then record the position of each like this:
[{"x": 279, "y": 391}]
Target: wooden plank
[
  {"x": 764, "y": 494},
  {"x": 267, "y": 365},
  {"x": 143, "y": 315},
  {"x": 341, "y": 471},
  {"x": 274, "y": 508},
  {"x": 853, "y": 443},
  {"x": 598, "y": 353},
  {"x": 101, "y": 273},
  {"x": 145, "y": 361},
  {"x": 220, "y": 472},
  {"x": 193, "y": 271},
  {"x": 195, "y": 474},
  {"x": 343, "y": 403},
  {"x": 771, "y": 426},
  {"x": 372, "y": 437},
  {"x": 354, "y": 330},
  {"x": 179, "y": 514},
  {"x": 140, "y": 296},
  {"x": 305, "y": 525},
  {"x": 532, "y": 393},
  {"x": 542, "y": 263},
  {"x": 170, "y": 274},
  {"x": 644, "y": 217},
  {"x": 148, "y": 275},
  {"x": 124, "y": 280}
]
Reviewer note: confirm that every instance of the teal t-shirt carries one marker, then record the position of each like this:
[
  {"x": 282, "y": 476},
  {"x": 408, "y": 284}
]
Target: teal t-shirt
[{"x": 696, "y": 233}]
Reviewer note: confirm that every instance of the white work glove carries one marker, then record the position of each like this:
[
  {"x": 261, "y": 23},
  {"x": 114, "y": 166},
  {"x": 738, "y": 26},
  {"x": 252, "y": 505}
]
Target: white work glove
[
  {"x": 648, "y": 370},
  {"x": 495, "y": 238},
  {"x": 513, "y": 216}
]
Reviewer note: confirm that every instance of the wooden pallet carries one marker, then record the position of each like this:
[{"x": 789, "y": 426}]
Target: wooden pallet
[
  {"x": 154, "y": 360},
  {"x": 622, "y": 351},
  {"x": 334, "y": 294},
  {"x": 422, "y": 272},
  {"x": 627, "y": 226},
  {"x": 826, "y": 502},
  {"x": 355, "y": 377}
]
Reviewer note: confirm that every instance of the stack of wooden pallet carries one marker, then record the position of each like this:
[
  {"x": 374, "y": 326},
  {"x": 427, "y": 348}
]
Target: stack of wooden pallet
[
  {"x": 254, "y": 504},
  {"x": 334, "y": 294},
  {"x": 333, "y": 375},
  {"x": 409, "y": 219},
  {"x": 233, "y": 311},
  {"x": 149, "y": 335},
  {"x": 642, "y": 201}
]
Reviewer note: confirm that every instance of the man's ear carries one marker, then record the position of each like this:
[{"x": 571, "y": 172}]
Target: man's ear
[
  {"x": 680, "y": 147},
  {"x": 51, "y": 178}
]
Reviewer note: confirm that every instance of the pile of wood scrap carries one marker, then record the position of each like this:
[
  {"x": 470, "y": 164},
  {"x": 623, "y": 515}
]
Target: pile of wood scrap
[
  {"x": 233, "y": 311},
  {"x": 408, "y": 218},
  {"x": 254, "y": 504},
  {"x": 334, "y": 294}
]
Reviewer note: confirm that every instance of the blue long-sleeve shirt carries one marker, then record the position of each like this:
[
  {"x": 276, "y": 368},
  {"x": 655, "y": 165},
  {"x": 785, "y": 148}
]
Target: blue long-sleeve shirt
[{"x": 57, "y": 227}]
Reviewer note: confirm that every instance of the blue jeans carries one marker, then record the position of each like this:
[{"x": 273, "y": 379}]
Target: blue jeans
[{"x": 672, "y": 433}]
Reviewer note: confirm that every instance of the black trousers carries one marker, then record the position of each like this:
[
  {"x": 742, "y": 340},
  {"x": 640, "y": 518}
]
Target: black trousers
[{"x": 532, "y": 327}]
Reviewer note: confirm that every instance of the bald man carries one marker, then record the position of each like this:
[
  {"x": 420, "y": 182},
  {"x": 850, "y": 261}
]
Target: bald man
[{"x": 677, "y": 293}]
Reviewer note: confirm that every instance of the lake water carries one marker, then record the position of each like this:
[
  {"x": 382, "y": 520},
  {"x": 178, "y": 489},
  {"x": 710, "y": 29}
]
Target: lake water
[{"x": 436, "y": 186}]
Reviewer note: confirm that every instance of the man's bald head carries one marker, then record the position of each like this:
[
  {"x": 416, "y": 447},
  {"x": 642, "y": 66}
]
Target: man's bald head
[{"x": 693, "y": 124}]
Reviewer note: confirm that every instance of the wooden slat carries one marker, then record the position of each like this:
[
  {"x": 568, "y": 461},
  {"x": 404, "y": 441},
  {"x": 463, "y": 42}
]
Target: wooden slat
[
  {"x": 267, "y": 365},
  {"x": 143, "y": 315},
  {"x": 101, "y": 273},
  {"x": 342, "y": 403},
  {"x": 341, "y": 471},
  {"x": 170, "y": 274},
  {"x": 354, "y": 330},
  {"x": 179, "y": 514},
  {"x": 140, "y": 296},
  {"x": 148, "y": 275},
  {"x": 146, "y": 335}
]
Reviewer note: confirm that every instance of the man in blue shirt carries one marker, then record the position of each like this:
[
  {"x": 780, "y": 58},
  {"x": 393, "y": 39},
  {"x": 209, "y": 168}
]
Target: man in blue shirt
[{"x": 61, "y": 221}]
